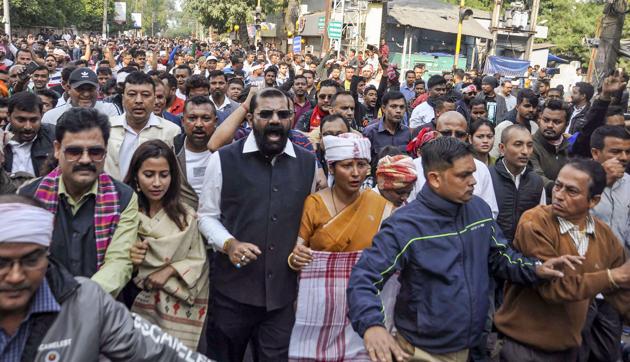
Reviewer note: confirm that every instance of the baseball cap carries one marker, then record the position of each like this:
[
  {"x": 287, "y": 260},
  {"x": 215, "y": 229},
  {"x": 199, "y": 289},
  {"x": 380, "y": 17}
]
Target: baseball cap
[
  {"x": 212, "y": 57},
  {"x": 81, "y": 76}
]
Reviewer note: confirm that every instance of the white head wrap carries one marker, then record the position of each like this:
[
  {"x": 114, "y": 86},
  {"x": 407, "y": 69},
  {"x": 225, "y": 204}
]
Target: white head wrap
[
  {"x": 22, "y": 223},
  {"x": 346, "y": 146},
  {"x": 121, "y": 77}
]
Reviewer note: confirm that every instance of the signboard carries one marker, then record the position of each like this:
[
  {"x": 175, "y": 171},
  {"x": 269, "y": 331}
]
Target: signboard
[
  {"x": 136, "y": 20},
  {"x": 297, "y": 45},
  {"x": 321, "y": 22},
  {"x": 120, "y": 12},
  {"x": 334, "y": 29}
]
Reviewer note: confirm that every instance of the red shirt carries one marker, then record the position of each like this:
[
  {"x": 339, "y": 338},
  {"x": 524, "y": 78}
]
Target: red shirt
[{"x": 177, "y": 107}]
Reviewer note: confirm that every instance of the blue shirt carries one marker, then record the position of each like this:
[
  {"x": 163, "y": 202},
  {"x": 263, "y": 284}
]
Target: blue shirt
[
  {"x": 380, "y": 137},
  {"x": 408, "y": 92},
  {"x": 11, "y": 347}
]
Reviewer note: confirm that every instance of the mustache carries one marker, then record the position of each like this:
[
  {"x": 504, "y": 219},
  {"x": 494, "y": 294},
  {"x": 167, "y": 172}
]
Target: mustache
[
  {"x": 17, "y": 288},
  {"x": 84, "y": 167},
  {"x": 274, "y": 128}
]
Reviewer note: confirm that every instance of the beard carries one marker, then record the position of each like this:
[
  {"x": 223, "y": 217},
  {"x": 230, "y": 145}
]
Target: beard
[{"x": 271, "y": 139}]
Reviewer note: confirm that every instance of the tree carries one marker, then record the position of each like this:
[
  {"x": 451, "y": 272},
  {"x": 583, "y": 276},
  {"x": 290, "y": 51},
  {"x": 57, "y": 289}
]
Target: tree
[{"x": 223, "y": 15}]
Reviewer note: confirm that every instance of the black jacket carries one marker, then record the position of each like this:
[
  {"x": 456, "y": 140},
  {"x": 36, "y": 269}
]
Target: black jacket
[
  {"x": 577, "y": 123},
  {"x": 514, "y": 202},
  {"x": 40, "y": 151},
  {"x": 594, "y": 118}
]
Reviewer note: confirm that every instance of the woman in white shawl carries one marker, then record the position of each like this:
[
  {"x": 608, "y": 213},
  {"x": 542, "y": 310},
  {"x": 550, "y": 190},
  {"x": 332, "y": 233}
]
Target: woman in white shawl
[{"x": 170, "y": 288}]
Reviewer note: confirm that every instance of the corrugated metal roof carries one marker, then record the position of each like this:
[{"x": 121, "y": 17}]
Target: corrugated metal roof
[{"x": 434, "y": 15}]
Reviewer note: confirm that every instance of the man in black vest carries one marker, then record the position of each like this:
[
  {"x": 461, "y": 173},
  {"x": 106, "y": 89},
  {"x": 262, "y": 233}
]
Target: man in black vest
[
  {"x": 516, "y": 186},
  {"x": 250, "y": 211},
  {"x": 80, "y": 194}
]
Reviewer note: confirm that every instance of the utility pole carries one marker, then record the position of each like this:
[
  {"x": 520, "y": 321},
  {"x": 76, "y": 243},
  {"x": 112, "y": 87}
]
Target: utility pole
[
  {"x": 326, "y": 40},
  {"x": 494, "y": 26},
  {"x": 105, "y": 7},
  {"x": 7, "y": 18},
  {"x": 532, "y": 29},
  {"x": 463, "y": 15}
]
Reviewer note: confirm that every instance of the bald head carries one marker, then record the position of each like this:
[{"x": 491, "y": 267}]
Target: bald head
[{"x": 453, "y": 124}]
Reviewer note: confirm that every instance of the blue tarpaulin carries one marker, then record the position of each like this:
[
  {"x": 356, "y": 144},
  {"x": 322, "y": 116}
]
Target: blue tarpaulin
[
  {"x": 507, "y": 67},
  {"x": 555, "y": 58}
]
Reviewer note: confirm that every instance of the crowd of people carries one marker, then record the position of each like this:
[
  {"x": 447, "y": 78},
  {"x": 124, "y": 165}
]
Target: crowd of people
[{"x": 175, "y": 199}]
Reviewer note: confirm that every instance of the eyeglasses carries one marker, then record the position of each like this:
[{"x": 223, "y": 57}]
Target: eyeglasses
[
  {"x": 456, "y": 134},
  {"x": 74, "y": 153},
  {"x": 325, "y": 96},
  {"x": 30, "y": 262},
  {"x": 282, "y": 114}
]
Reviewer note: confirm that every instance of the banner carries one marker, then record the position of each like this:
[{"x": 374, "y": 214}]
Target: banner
[
  {"x": 120, "y": 12},
  {"x": 136, "y": 20},
  {"x": 507, "y": 67}
]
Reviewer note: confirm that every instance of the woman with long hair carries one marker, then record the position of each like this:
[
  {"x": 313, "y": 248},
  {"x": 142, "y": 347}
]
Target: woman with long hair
[
  {"x": 170, "y": 288},
  {"x": 482, "y": 138}
]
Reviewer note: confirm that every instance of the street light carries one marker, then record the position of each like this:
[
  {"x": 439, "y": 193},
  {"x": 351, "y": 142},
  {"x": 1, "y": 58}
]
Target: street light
[{"x": 463, "y": 15}]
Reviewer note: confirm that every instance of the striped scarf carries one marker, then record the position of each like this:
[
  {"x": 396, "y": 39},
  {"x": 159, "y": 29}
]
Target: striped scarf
[{"x": 106, "y": 212}]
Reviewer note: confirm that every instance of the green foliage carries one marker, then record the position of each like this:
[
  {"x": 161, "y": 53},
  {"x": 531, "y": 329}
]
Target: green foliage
[
  {"x": 475, "y": 4},
  {"x": 84, "y": 14},
  {"x": 223, "y": 15}
]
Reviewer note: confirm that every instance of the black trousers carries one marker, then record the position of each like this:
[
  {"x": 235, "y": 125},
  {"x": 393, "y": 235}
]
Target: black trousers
[
  {"x": 513, "y": 351},
  {"x": 601, "y": 335},
  {"x": 233, "y": 325}
]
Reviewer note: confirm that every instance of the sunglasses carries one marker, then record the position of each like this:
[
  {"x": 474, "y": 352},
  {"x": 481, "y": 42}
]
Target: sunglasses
[
  {"x": 282, "y": 114},
  {"x": 74, "y": 153},
  {"x": 456, "y": 134}
]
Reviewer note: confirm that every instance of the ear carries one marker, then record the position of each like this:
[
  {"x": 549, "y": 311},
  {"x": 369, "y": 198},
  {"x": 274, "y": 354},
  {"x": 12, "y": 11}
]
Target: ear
[
  {"x": 595, "y": 153},
  {"x": 501, "y": 149},
  {"x": 250, "y": 120},
  {"x": 57, "y": 149},
  {"x": 434, "y": 179},
  {"x": 594, "y": 201}
]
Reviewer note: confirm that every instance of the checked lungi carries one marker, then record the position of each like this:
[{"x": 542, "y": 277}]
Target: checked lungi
[{"x": 322, "y": 331}]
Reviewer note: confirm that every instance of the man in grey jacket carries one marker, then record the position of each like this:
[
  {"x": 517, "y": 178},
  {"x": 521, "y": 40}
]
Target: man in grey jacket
[
  {"x": 495, "y": 102},
  {"x": 47, "y": 315}
]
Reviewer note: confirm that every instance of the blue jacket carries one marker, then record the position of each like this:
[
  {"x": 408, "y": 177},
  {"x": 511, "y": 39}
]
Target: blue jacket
[{"x": 445, "y": 253}]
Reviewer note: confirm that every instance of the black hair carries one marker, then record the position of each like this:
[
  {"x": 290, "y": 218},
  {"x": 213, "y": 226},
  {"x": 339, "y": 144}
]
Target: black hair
[
  {"x": 216, "y": 73},
  {"x": 170, "y": 201},
  {"x": 477, "y": 101},
  {"x": 557, "y": 105},
  {"x": 389, "y": 150},
  {"x": 54, "y": 96},
  {"x": 439, "y": 102},
  {"x": 170, "y": 79},
  {"x": 111, "y": 83},
  {"x": 41, "y": 67},
  {"x": 4, "y": 102},
  {"x": 333, "y": 118},
  {"x": 329, "y": 83},
  {"x": 594, "y": 170},
  {"x": 600, "y": 133},
  {"x": 199, "y": 100},
  {"x": 236, "y": 81},
  {"x": 418, "y": 81},
  {"x": 392, "y": 96},
  {"x": 104, "y": 70},
  {"x": 17, "y": 53},
  {"x": 558, "y": 88},
  {"x": 442, "y": 152},
  {"x": 25, "y": 101},
  {"x": 586, "y": 89},
  {"x": 183, "y": 66},
  {"x": 272, "y": 69},
  {"x": 409, "y": 72},
  {"x": 474, "y": 127},
  {"x": 309, "y": 72},
  {"x": 77, "y": 119},
  {"x": 528, "y": 94},
  {"x": 196, "y": 81},
  {"x": 369, "y": 88},
  {"x": 66, "y": 71},
  {"x": 138, "y": 77},
  {"x": 614, "y": 111},
  {"x": 299, "y": 76},
  {"x": 20, "y": 199},
  {"x": 435, "y": 80}
]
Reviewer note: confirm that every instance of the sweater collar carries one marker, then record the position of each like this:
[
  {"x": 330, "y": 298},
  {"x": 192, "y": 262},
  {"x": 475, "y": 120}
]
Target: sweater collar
[{"x": 437, "y": 203}]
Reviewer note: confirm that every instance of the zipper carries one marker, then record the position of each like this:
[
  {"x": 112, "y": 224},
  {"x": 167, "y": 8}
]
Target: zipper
[{"x": 470, "y": 301}]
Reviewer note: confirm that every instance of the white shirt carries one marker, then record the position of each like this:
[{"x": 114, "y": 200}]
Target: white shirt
[
  {"x": 51, "y": 117},
  {"x": 517, "y": 182},
  {"x": 226, "y": 102},
  {"x": 196, "y": 164},
  {"x": 131, "y": 143},
  {"x": 180, "y": 95},
  {"x": 210, "y": 200},
  {"x": 510, "y": 102},
  {"x": 483, "y": 188},
  {"x": 421, "y": 115},
  {"x": 22, "y": 157}
]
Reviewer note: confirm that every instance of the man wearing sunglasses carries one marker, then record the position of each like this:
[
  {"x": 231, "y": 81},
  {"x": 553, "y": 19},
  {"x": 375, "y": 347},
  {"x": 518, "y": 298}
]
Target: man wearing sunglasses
[
  {"x": 96, "y": 217},
  {"x": 250, "y": 210},
  {"x": 43, "y": 308},
  {"x": 311, "y": 119},
  {"x": 453, "y": 124}
]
